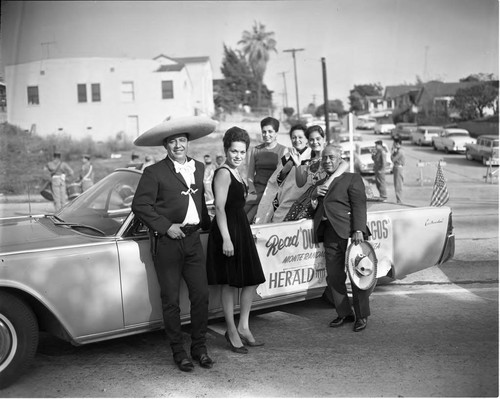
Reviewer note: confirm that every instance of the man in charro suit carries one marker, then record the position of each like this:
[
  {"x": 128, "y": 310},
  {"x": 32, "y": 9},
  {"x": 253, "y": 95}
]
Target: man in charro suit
[
  {"x": 340, "y": 214},
  {"x": 170, "y": 200}
]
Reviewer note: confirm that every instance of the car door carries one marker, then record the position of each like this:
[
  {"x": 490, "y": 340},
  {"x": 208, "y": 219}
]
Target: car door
[{"x": 140, "y": 288}]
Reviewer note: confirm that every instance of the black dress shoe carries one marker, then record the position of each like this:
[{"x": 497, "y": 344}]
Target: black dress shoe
[
  {"x": 184, "y": 364},
  {"x": 204, "y": 361},
  {"x": 239, "y": 349},
  {"x": 360, "y": 324},
  {"x": 341, "y": 320}
]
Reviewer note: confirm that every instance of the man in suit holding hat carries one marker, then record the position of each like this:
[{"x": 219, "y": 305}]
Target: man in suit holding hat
[
  {"x": 170, "y": 200},
  {"x": 340, "y": 214}
]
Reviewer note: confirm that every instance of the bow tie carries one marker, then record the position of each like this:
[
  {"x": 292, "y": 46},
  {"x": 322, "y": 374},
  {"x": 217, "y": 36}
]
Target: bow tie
[{"x": 186, "y": 167}]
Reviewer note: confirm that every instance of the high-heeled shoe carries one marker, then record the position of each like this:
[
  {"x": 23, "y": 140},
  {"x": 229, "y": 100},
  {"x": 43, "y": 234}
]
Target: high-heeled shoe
[
  {"x": 249, "y": 343},
  {"x": 240, "y": 349}
]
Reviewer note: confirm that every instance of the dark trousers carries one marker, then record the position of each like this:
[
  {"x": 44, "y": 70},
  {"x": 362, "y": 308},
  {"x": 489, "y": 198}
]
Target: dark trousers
[
  {"x": 380, "y": 183},
  {"x": 335, "y": 250},
  {"x": 178, "y": 259}
]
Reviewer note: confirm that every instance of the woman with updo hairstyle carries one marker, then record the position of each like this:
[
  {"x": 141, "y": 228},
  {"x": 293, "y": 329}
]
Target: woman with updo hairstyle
[
  {"x": 262, "y": 162},
  {"x": 232, "y": 258}
]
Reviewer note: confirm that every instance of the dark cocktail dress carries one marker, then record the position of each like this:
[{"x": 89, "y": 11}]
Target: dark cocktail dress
[{"x": 243, "y": 268}]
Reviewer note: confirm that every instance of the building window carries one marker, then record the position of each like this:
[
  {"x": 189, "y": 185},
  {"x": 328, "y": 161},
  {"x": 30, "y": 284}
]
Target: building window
[
  {"x": 167, "y": 89},
  {"x": 82, "y": 93},
  {"x": 127, "y": 94},
  {"x": 33, "y": 98},
  {"x": 96, "y": 92}
]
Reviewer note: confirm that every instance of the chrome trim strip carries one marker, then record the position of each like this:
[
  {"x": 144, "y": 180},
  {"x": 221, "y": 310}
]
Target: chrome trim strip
[{"x": 110, "y": 241}]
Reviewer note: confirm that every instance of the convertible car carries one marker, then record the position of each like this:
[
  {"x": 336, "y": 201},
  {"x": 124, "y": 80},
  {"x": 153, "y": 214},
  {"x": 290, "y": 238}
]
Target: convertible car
[{"x": 85, "y": 273}]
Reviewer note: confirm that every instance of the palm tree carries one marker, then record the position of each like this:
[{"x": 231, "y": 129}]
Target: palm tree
[{"x": 256, "y": 46}]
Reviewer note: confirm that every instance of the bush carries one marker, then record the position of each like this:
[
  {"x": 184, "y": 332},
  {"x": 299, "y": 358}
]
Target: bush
[{"x": 23, "y": 156}]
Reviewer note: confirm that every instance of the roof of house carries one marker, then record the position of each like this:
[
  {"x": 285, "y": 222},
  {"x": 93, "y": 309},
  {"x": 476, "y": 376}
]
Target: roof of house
[
  {"x": 396, "y": 91},
  {"x": 441, "y": 89},
  {"x": 190, "y": 60}
]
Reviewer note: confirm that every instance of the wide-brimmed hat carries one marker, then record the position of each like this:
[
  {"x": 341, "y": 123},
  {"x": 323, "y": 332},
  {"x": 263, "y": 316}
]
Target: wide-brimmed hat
[
  {"x": 361, "y": 264},
  {"x": 194, "y": 126}
]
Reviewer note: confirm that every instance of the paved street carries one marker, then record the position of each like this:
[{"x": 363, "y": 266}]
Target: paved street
[{"x": 433, "y": 333}]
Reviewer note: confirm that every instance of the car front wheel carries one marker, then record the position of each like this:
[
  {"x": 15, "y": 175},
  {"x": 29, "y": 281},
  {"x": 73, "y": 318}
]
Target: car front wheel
[{"x": 18, "y": 337}]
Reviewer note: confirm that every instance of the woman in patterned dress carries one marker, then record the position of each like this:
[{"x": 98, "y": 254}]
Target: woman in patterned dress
[{"x": 309, "y": 172}]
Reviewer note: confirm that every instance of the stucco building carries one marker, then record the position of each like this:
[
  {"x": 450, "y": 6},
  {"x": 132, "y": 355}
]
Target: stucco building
[{"x": 106, "y": 97}]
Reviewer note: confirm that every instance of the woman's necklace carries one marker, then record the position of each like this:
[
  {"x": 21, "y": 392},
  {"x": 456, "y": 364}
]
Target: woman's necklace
[{"x": 235, "y": 173}]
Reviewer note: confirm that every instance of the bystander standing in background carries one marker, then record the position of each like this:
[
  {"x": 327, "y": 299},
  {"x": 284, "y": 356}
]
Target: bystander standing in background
[
  {"x": 148, "y": 160},
  {"x": 398, "y": 159},
  {"x": 219, "y": 161},
  {"x": 86, "y": 173},
  {"x": 379, "y": 163},
  {"x": 57, "y": 171},
  {"x": 207, "y": 179}
]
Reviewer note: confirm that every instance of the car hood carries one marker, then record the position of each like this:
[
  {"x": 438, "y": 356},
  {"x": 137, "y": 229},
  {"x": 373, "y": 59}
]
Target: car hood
[
  {"x": 463, "y": 140},
  {"x": 31, "y": 233}
]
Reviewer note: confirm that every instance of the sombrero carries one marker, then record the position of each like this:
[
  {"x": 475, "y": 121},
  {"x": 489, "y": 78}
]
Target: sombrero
[
  {"x": 194, "y": 126},
  {"x": 361, "y": 264}
]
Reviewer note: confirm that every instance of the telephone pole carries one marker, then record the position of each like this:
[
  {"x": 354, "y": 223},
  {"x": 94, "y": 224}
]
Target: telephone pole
[
  {"x": 293, "y": 51},
  {"x": 285, "y": 93}
]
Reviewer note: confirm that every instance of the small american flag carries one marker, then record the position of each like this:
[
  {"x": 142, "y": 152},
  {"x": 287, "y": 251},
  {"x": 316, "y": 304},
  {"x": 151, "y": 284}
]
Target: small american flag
[{"x": 440, "y": 195}]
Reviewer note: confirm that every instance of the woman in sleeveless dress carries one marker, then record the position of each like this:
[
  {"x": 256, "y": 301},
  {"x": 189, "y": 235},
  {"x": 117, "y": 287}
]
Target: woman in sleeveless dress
[
  {"x": 262, "y": 163},
  {"x": 232, "y": 258}
]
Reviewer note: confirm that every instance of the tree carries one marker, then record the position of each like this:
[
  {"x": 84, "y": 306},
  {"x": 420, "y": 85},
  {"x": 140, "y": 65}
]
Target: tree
[
  {"x": 238, "y": 86},
  {"x": 479, "y": 77},
  {"x": 257, "y": 46},
  {"x": 288, "y": 111},
  {"x": 334, "y": 106},
  {"x": 359, "y": 92},
  {"x": 237, "y": 75},
  {"x": 471, "y": 102}
]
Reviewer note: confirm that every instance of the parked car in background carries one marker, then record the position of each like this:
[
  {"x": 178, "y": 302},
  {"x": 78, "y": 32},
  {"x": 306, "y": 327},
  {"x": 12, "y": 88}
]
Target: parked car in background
[
  {"x": 485, "y": 148},
  {"x": 383, "y": 127},
  {"x": 403, "y": 130},
  {"x": 423, "y": 135},
  {"x": 342, "y": 139},
  {"x": 452, "y": 140},
  {"x": 85, "y": 274},
  {"x": 366, "y": 123},
  {"x": 363, "y": 162},
  {"x": 334, "y": 123}
]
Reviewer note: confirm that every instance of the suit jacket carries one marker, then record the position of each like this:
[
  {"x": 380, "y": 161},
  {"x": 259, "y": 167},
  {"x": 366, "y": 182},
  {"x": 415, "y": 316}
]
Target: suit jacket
[
  {"x": 159, "y": 202},
  {"x": 344, "y": 205}
]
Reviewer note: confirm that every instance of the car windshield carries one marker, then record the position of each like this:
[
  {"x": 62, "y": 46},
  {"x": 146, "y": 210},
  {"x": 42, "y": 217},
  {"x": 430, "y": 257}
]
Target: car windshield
[
  {"x": 105, "y": 205},
  {"x": 366, "y": 150},
  {"x": 463, "y": 134}
]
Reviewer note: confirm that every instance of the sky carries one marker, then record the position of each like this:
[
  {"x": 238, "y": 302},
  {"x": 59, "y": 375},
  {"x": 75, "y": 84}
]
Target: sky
[{"x": 389, "y": 42}]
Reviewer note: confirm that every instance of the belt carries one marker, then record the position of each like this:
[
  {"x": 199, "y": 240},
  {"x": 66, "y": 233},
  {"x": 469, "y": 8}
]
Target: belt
[{"x": 189, "y": 229}]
